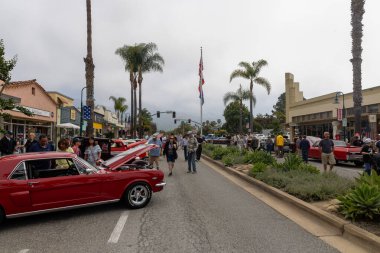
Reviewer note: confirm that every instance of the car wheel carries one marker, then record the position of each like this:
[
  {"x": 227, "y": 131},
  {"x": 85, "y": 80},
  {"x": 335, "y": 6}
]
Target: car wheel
[
  {"x": 358, "y": 163},
  {"x": 2, "y": 215},
  {"x": 138, "y": 195}
]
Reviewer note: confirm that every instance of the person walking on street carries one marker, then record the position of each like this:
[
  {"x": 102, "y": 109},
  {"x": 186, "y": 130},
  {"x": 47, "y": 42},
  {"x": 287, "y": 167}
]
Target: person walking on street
[
  {"x": 304, "y": 146},
  {"x": 280, "y": 145},
  {"x": 367, "y": 156},
  {"x": 269, "y": 145},
  {"x": 184, "y": 145},
  {"x": 93, "y": 152},
  {"x": 326, "y": 146},
  {"x": 170, "y": 151},
  {"x": 154, "y": 154},
  {"x": 192, "y": 148},
  {"x": 199, "y": 149},
  {"x": 7, "y": 144},
  {"x": 31, "y": 140}
]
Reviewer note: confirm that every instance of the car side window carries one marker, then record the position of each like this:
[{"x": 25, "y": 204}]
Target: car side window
[
  {"x": 19, "y": 173},
  {"x": 47, "y": 168}
]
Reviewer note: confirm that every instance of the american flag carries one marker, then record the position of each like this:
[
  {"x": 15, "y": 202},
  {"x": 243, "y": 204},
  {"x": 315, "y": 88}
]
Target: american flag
[
  {"x": 201, "y": 80},
  {"x": 86, "y": 112}
]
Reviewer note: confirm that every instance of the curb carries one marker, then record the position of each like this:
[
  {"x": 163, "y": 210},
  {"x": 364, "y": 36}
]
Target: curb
[{"x": 368, "y": 240}]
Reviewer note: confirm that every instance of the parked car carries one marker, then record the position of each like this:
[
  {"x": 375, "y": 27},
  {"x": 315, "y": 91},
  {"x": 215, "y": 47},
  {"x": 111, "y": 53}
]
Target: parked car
[
  {"x": 34, "y": 183},
  {"x": 118, "y": 146},
  {"x": 343, "y": 152}
]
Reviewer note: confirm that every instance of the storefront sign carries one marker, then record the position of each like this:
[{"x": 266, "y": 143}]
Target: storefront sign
[
  {"x": 37, "y": 112},
  {"x": 72, "y": 114},
  {"x": 372, "y": 118}
]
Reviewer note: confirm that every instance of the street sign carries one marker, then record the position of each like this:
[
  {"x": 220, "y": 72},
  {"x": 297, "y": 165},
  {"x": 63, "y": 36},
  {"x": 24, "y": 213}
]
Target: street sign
[
  {"x": 86, "y": 112},
  {"x": 344, "y": 122},
  {"x": 372, "y": 118},
  {"x": 339, "y": 114}
]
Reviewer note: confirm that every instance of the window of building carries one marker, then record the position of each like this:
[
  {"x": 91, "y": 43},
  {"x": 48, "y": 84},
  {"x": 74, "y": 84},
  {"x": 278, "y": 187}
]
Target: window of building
[
  {"x": 373, "y": 108},
  {"x": 33, "y": 91}
]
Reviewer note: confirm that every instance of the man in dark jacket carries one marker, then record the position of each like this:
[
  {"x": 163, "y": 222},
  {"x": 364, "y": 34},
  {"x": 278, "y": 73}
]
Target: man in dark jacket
[
  {"x": 304, "y": 146},
  {"x": 199, "y": 149},
  {"x": 7, "y": 144},
  {"x": 31, "y": 140}
]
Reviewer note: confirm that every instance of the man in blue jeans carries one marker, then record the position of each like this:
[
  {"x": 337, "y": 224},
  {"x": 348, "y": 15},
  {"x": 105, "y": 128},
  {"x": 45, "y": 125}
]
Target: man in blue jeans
[{"x": 192, "y": 148}]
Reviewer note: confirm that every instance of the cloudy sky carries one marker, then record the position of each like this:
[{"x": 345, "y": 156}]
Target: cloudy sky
[{"x": 310, "y": 39}]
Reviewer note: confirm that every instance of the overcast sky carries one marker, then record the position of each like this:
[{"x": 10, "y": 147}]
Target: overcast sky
[{"x": 310, "y": 39}]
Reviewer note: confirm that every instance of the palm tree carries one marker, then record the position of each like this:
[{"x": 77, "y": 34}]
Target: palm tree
[
  {"x": 357, "y": 12},
  {"x": 119, "y": 106},
  {"x": 149, "y": 60},
  {"x": 240, "y": 95},
  {"x": 251, "y": 72},
  {"x": 129, "y": 55},
  {"x": 89, "y": 66}
]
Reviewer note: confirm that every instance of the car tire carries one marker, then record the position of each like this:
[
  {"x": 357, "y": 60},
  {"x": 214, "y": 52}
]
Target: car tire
[
  {"x": 138, "y": 195},
  {"x": 2, "y": 215}
]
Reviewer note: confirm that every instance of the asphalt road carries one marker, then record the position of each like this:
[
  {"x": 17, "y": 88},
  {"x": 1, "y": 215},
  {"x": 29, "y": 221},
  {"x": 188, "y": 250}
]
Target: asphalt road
[{"x": 203, "y": 212}]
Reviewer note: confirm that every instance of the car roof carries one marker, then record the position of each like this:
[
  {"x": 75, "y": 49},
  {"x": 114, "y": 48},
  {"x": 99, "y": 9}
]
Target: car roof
[{"x": 37, "y": 155}]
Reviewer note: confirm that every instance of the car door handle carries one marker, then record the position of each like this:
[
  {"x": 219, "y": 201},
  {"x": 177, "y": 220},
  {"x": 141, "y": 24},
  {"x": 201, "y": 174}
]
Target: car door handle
[{"x": 32, "y": 183}]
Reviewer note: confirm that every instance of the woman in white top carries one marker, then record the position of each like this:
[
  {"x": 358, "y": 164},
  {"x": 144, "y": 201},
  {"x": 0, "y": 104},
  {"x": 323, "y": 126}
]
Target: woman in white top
[{"x": 93, "y": 152}]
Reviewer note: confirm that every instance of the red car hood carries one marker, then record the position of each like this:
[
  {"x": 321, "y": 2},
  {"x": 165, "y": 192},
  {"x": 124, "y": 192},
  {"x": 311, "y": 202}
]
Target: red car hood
[{"x": 126, "y": 156}]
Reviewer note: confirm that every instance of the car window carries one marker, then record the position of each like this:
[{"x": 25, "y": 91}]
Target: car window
[
  {"x": 82, "y": 166},
  {"x": 46, "y": 168},
  {"x": 19, "y": 173}
]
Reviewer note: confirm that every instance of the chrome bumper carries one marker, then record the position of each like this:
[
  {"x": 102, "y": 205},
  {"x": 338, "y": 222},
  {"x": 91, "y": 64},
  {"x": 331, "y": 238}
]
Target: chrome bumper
[{"x": 162, "y": 184}]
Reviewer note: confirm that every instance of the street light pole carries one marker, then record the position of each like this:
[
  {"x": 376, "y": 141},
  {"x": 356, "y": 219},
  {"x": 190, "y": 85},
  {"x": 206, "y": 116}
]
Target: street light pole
[
  {"x": 81, "y": 111},
  {"x": 344, "y": 120}
]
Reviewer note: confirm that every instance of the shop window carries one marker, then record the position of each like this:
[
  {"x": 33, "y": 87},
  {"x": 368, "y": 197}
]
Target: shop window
[
  {"x": 373, "y": 108},
  {"x": 33, "y": 91}
]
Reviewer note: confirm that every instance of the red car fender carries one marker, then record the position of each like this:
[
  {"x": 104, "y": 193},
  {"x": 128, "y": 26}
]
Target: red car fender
[{"x": 136, "y": 181}]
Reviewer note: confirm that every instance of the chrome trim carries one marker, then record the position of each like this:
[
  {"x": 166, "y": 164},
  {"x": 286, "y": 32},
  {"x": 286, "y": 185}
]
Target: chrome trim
[
  {"x": 162, "y": 184},
  {"x": 14, "y": 169},
  {"x": 60, "y": 208}
]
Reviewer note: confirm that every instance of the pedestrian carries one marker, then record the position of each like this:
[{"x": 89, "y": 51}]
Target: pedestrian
[
  {"x": 184, "y": 145},
  {"x": 64, "y": 146},
  {"x": 357, "y": 142},
  {"x": 269, "y": 145},
  {"x": 192, "y": 148},
  {"x": 76, "y": 147},
  {"x": 366, "y": 151},
  {"x": 297, "y": 141},
  {"x": 326, "y": 146},
  {"x": 31, "y": 140},
  {"x": 154, "y": 154},
  {"x": 7, "y": 144},
  {"x": 199, "y": 149},
  {"x": 376, "y": 162},
  {"x": 42, "y": 145},
  {"x": 170, "y": 152},
  {"x": 255, "y": 143},
  {"x": 280, "y": 145},
  {"x": 92, "y": 152},
  {"x": 304, "y": 146},
  {"x": 377, "y": 143}
]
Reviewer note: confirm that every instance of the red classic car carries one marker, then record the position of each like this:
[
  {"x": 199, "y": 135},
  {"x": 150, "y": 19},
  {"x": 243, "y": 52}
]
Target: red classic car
[
  {"x": 34, "y": 183},
  {"x": 118, "y": 146},
  {"x": 343, "y": 152}
]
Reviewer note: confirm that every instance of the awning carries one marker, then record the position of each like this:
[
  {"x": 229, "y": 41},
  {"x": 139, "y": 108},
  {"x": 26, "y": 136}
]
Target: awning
[{"x": 68, "y": 125}]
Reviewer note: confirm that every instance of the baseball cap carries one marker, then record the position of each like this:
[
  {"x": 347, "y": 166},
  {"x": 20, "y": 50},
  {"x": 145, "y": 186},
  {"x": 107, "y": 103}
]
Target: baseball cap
[{"x": 368, "y": 140}]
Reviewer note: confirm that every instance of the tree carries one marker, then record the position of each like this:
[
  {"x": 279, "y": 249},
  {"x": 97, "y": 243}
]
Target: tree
[
  {"x": 279, "y": 109},
  {"x": 6, "y": 66},
  {"x": 147, "y": 120},
  {"x": 251, "y": 72},
  {"x": 357, "y": 12},
  {"x": 130, "y": 56},
  {"x": 232, "y": 115},
  {"x": 240, "y": 95},
  {"x": 89, "y": 67},
  {"x": 149, "y": 60},
  {"x": 119, "y": 106}
]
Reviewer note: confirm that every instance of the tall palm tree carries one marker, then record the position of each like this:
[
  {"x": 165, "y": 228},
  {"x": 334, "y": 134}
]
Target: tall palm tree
[
  {"x": 240, "y": 95},
  {"x": 149, "y": 60},
  {"x": 119, "y": 106},
  {"x": 129, "y": 55},
  {"x": 251, "y": 72},
  {"x": 89, "y": 67},
  {"x": 357, "y": 12}
]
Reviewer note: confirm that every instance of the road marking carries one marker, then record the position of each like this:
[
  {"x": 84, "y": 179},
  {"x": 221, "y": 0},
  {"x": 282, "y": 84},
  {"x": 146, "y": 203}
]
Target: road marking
[
  {"x": 24, "y": 251},
  {"x": 114, "y": 238}
]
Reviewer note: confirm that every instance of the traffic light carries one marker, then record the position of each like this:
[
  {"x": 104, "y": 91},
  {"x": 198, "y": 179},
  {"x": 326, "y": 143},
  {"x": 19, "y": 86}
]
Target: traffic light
[
  {"x": 175, "y": 121},
  {"x": 189, "y": 121},
  {"x": 173, "y": 115},
  {"x": 158, "y": 114}
]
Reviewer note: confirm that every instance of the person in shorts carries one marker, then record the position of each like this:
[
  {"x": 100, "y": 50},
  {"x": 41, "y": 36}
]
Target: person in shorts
[
  {"x": 170, "y": 151},
  {"x": 154, "y": 154},
  {"x": 326, "y": 146}
]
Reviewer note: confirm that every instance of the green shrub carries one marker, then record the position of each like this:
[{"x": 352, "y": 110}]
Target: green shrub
[
  {"x": 309, "y": 168},
  {"x": 274, "y": 178},
  {"x": 228, "y": 160},
  {"x": 372, "y": 179},
  {"x": 361, "y": 202},
  {"x": 219, "y": 152},
  {"x": 259, "y": 156},
  {"x": 257, "y": 168},
  {"x": 292, "y": 162}
]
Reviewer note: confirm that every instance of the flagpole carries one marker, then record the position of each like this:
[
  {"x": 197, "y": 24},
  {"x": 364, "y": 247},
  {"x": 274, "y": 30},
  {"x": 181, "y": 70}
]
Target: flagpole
[{"x": 201, "y": 101}]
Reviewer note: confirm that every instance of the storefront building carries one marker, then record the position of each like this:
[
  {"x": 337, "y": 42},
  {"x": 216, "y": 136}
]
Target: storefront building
[
  {"x": 33, "y": 97},
  {"x": 317, "y": 115},
  {"x": 99, "y": 121}
]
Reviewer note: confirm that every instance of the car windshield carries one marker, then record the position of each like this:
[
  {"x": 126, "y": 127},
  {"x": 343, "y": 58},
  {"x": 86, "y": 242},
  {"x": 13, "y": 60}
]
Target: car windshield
[
  {"x": 339, "y": 143},
  {"x": 123, "y": 154},
  {"x": 84, "y": 162}
]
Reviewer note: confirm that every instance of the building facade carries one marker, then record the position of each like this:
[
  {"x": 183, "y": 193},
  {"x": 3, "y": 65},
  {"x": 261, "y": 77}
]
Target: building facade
[{"x": 317, "y": 115}]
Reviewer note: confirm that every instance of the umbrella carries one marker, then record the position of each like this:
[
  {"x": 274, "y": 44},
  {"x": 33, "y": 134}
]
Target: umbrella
[{"x": 68, "y": 125}]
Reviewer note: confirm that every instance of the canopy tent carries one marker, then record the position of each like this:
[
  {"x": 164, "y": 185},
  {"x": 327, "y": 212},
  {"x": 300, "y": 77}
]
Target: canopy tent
[{"x": 68, "y": 125}]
